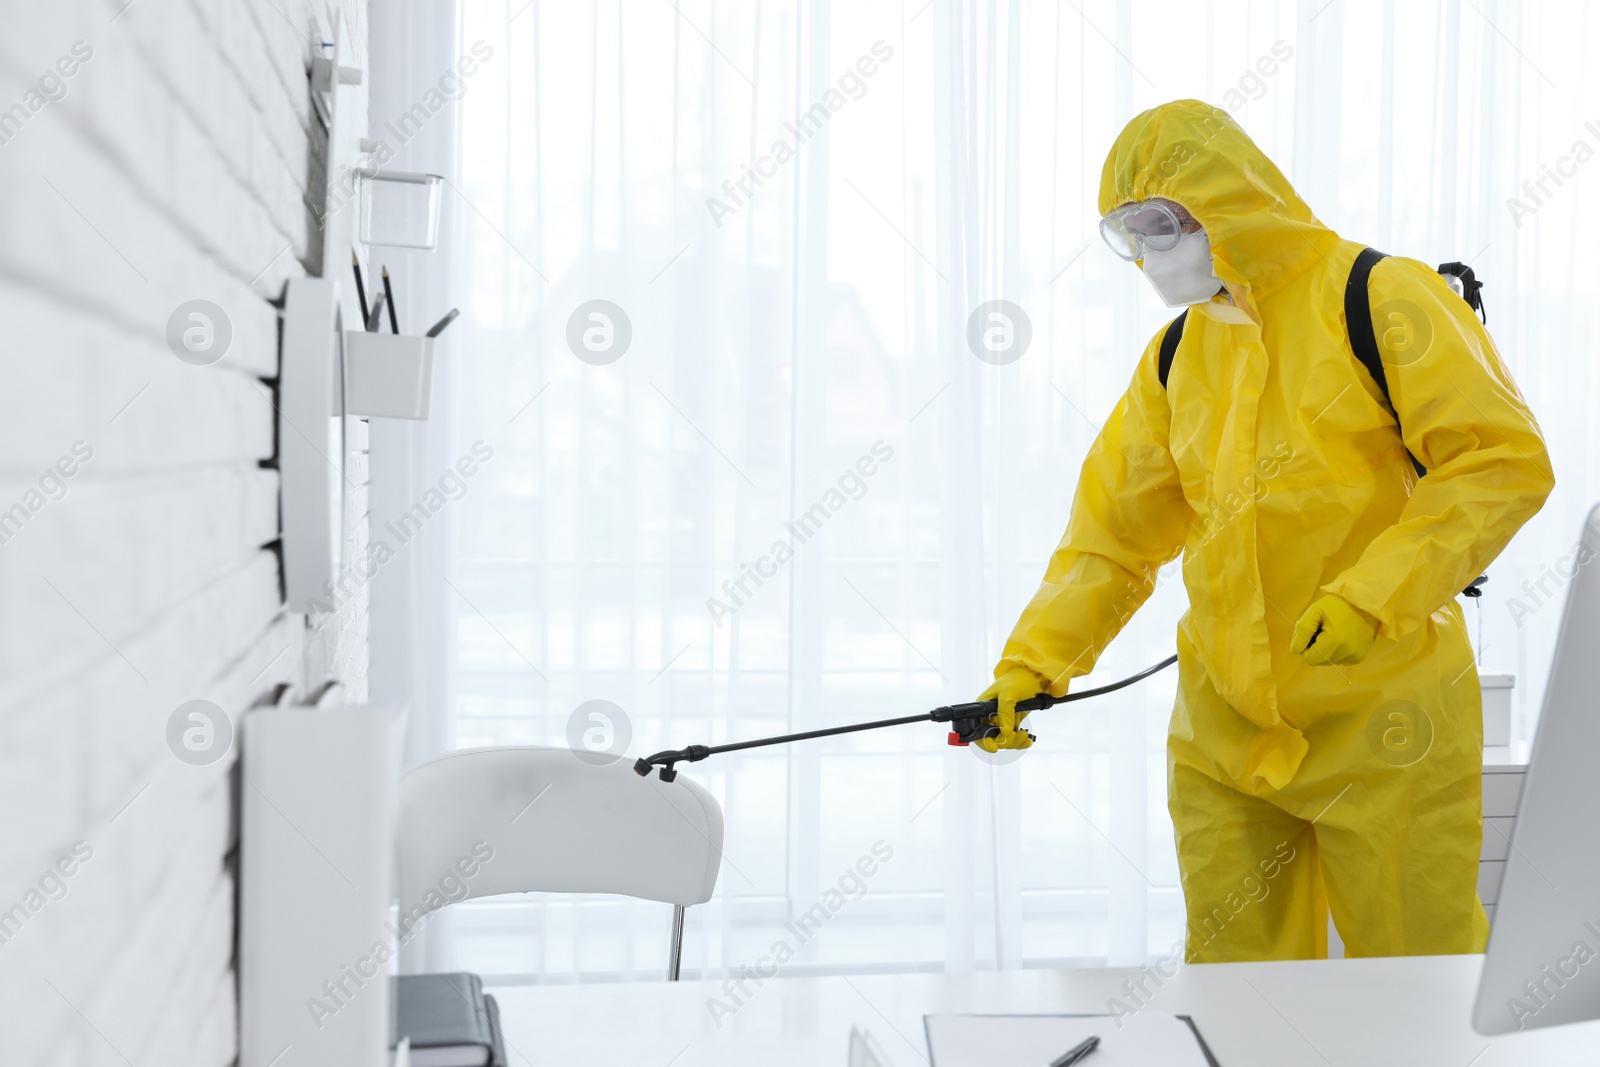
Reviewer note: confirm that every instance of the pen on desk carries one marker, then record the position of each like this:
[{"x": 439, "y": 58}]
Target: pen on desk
[
  {"x": 439, "y": 326},
  {"x": 375, "y": 314},
  {"x": 388, "y": 292},
  {"x": 361, "y": 290},
  {"x": 1073, "y": 1055}
]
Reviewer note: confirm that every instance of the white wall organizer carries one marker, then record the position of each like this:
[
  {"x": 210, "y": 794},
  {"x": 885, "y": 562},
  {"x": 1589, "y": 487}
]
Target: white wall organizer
[{"x": 317, "y": 803}]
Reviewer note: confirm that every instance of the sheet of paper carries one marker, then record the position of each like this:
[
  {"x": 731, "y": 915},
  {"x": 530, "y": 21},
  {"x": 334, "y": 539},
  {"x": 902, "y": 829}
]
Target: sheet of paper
[{"x": 1144, "y": 1038}]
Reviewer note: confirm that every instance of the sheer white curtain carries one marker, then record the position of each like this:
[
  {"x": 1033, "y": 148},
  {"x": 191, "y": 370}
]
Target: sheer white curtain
[
  {"x": 416, "y": 86},
  {"x": 799, "y": 499}
]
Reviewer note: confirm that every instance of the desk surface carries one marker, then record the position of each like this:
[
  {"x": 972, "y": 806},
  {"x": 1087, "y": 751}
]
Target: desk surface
[{"x": 1406, "y": 1011}]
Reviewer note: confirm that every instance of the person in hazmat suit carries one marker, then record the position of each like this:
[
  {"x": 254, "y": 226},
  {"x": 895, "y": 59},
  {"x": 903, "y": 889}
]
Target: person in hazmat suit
[{"x": 1325, "y": 749}]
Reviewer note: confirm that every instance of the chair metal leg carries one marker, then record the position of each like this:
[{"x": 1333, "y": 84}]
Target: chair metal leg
[{"x": 675, "y": 952}]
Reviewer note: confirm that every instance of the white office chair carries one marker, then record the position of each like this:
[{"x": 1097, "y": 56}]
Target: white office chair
[{"x": 558, "y": 823}]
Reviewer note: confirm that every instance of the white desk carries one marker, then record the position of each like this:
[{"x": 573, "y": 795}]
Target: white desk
[{"x": 1409, "y": 1011}]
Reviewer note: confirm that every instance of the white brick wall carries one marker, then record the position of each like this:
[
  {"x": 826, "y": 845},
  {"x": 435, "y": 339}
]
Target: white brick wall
[{"x": 175, "y": 167}]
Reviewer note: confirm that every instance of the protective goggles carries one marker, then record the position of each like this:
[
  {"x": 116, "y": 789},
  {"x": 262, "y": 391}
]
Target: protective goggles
[{"x": 1146, "y": 226}]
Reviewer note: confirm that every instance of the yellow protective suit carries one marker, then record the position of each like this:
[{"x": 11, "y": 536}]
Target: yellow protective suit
[{"x": 1272, "y": 462}]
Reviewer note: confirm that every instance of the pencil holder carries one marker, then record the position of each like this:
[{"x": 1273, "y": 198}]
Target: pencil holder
[{"x": 387, "y": 375}]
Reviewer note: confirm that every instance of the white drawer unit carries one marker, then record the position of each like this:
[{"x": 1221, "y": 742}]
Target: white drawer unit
[
  {"x": 1489, "y": 872},
  {"x": 1496, "y": 837},
  {"x": 1502, "y": 787}
]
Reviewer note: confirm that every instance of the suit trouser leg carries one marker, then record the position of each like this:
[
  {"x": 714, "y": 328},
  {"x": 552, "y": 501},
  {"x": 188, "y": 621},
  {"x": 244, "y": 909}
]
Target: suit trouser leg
[
  {"x": 1251, "y": 873},
  {"x": 1400, "y": 858}
]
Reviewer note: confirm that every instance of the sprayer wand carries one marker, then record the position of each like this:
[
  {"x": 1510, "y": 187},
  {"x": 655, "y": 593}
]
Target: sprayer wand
[{"x": 969, "y": 722}]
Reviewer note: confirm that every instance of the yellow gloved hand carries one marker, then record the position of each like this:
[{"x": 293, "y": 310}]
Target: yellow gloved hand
[
  {"x": 1018, "y": 683},
  {"x": 1331, "y": 631}
]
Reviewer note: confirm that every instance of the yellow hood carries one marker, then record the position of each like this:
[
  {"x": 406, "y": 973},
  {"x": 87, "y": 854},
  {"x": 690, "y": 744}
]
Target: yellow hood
[{"x": 1262, "y": 234}]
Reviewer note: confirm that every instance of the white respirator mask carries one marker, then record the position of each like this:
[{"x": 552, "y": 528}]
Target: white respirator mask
[{"x": 1182, "y": 274}]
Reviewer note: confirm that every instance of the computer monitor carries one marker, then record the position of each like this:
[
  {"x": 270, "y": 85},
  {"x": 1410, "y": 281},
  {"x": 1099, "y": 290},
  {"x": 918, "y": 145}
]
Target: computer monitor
[{"x": 1543, "y": 963}]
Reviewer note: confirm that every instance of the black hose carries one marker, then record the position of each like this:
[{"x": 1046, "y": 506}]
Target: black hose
[{"x": 971, "y": 719}]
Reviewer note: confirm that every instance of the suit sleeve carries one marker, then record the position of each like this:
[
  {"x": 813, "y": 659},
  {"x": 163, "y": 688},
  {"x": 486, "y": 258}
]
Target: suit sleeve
[
  {"x": 1463, "y": 418},
  {"x": 1129, "y": 517}
]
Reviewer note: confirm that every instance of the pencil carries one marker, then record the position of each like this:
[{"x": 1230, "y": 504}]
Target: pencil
[
  {"x": 361, "y": 290},
  {"x": 388, "y": 292},
  {"x": 375, "y": 316},
  {"x": 439, "y": 326}
]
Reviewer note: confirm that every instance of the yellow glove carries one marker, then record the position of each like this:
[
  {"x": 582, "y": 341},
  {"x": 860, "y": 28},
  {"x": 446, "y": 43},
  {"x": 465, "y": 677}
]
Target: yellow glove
[
  {"x": 1018, "y": 683},
  {"x": 1331, "y": 631}
]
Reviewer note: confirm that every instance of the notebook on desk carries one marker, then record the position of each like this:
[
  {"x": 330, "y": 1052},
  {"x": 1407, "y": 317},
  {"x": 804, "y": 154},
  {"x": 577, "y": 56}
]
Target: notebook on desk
[
  {"x": 448, "y": 1019},
  {"x": 1146, "y": 1037}
]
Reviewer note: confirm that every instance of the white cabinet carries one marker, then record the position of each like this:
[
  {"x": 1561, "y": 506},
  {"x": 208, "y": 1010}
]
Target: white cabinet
[{"x": 1502, "y": 787}]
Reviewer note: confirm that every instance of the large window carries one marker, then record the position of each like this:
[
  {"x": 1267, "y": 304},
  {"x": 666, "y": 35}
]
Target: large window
[{"x": 798, "y": 498}]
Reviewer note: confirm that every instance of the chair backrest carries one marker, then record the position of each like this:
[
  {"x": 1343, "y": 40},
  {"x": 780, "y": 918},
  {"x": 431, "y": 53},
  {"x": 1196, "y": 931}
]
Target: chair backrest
[{"x": 483, "y": 821}]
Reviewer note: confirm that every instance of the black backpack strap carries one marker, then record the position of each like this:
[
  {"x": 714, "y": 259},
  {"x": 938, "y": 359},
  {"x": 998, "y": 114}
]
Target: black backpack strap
[
  {"x": 1358, "y": 326},
  {"x": 1358, "y": 318},
  {"x": 1169, "y": 346}
]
